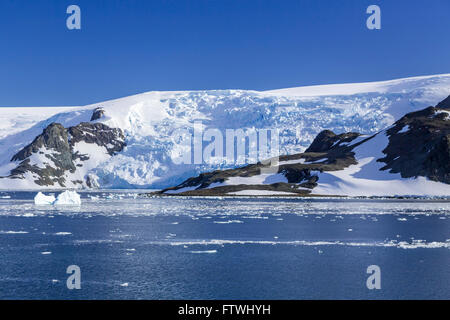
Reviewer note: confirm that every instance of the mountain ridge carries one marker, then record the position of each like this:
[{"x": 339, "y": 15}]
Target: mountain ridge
[{"x": 148, "y": 121}]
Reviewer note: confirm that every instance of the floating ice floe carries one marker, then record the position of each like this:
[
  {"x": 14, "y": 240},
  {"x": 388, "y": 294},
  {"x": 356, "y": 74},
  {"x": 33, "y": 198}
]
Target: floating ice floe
[
  {"x": 42, "y": 199},
  {"x": 13, "y": 232},
  {"x": 65, "y": 198},
  {"x": 204, "y": 251},
  {"x": 229, "y": 221},
  {"x": 68, "y": 198}
]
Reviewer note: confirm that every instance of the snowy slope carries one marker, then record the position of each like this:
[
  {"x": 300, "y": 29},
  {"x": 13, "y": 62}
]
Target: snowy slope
[
  {"x": 17, "y": 119},
  {"x": 149, "y": 120},
  {"x": 366, "y": 178}
]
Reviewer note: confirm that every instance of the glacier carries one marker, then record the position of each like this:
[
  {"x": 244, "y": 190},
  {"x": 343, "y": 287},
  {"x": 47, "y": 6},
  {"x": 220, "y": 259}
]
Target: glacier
[{"x": 149, "y": 120}]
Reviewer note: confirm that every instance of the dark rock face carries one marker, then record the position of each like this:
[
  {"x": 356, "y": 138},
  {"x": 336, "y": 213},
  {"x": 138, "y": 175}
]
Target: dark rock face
[
  {"x": 97, "y": 114},
  {"x": 56, "y": 144},
  {"x": 444, "y": 104},
  {"x": 419, "y": 144},
  {"x": 53, "y": 137},
  {"x": 91, "y": 181},
  {"x": 110, "y": 138},
  {"x": 327, "y": 140}
]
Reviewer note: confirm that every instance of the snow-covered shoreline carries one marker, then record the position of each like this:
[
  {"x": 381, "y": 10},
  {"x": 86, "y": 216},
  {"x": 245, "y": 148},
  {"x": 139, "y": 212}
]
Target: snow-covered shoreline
[{"x": 149, "y": 119}]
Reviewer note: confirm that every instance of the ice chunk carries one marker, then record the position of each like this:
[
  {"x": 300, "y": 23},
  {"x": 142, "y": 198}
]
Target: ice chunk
[
  {"x": 68, "y": 198},
  {"x": 42, "y": 199}
]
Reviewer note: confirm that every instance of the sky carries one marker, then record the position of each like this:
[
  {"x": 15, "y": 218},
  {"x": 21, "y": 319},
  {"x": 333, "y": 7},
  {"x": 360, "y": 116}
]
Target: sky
[{"x": 134, "y": 46}]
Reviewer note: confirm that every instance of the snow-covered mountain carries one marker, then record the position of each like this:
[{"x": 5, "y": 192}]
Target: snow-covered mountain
[
  {"x": 148, "y": 121},
  {"x": 411, "y": 157}
]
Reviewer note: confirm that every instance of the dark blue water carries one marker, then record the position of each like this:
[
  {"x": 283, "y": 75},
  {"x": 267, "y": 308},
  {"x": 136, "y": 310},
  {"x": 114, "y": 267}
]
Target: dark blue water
[{"x": 129, "y": 247}]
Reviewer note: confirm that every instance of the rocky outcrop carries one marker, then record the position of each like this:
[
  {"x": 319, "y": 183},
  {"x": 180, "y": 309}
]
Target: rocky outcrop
[
  {"x": 97, "y": 113},
  {"x": 327, "y": 140},
  {"x": 52, "y": 155},
  {"x": 419, "y": 144},
  {"x": 444, "y": 104},
  {"x": 100, "y": 134},
  {"x": 52, "y": 137}
]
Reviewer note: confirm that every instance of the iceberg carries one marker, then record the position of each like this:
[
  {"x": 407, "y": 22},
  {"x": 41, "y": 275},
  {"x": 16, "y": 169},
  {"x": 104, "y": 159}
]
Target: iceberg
[
  {"x": 42, "y": 199},
  {"x": 64, "y": 198},
  {"x": 68, "y": 198}
]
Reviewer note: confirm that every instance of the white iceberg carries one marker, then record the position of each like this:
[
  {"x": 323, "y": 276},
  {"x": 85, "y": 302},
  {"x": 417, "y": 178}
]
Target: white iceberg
[
  {"x": 42, "y": 199},
  {"x": 68, "y": 198}
]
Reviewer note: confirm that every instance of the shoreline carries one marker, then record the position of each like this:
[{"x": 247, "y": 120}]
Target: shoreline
[
  {"x": 300, "y": 196},
  {"x": 157, "y": 194}
]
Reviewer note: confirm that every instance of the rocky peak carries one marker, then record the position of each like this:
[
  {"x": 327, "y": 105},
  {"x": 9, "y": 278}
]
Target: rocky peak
[
  {"x": 444, "y": 104},
  {"x": 54, "y": 136},
  {"x": 327, "y": 140},
  {"x": 52, "y": 155},
  {"x": 419, "y": 144},
  {"x": 97, "y": 113},
  {"x": 100, "y": 134}
]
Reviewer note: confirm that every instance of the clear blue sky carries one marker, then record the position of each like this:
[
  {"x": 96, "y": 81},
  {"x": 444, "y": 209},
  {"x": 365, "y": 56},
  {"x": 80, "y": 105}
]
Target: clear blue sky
[{"x": 128, "y": 47}]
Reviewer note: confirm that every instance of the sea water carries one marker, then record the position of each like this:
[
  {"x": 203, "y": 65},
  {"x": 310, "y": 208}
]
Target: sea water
[{"x": 132, "y": 247}]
